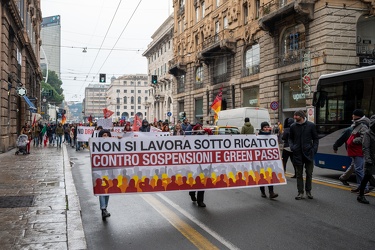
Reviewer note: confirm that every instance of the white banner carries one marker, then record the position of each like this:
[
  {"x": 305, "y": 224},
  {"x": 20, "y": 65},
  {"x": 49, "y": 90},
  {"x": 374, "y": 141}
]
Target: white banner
[
  {"x": 84, "y": 133},
  {"x": 156, "y": 163},
  {"x": 105, "y": 123}
]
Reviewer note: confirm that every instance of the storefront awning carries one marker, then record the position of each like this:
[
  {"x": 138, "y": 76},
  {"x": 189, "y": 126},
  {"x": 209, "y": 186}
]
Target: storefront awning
[{"x": 30, "y": 104}]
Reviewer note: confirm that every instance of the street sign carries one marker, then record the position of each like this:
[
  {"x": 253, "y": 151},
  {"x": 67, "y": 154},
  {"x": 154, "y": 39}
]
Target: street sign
[
  {"x": 274, "y": 105},
  {"x": 21, "y": 91},
  {"x": 169, "y": 113}
]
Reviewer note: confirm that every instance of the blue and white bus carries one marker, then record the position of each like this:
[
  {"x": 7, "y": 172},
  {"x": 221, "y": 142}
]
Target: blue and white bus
[{"x": 336, "y": 96}]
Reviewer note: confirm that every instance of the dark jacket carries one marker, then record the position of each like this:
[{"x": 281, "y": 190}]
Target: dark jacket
[
  {"x": 247, "y": 128},
  {"x": 303, "y": 141},
  {"x": 288, "y": 122},
  {"x": 368, "y": 144},
  {"x": 145, "y": 126},
  {"x": 343, "y": 138}
]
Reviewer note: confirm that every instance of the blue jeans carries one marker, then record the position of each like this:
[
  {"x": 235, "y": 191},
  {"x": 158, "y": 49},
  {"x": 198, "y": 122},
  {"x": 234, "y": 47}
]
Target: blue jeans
[
  {"x": 358, "y": 168},
  {"x": 78, "y": 145},
  {"x": 36, "y": 141},
  {"x": 103, "y": 201},
  {"x": 58, "y": 140}
]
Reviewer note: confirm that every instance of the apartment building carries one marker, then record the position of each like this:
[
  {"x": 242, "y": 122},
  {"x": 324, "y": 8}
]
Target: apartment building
[
  {"x": 259, "y": 52},
  {"x": 95, "y": 100},
  {"x": 20, "y": 71}
]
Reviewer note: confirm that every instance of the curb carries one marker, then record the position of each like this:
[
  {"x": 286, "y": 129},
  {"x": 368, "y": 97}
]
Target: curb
[{"x": 75, "y": 233}]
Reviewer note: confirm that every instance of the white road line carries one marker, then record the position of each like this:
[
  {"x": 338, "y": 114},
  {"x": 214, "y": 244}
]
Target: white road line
[{"x": 200, "y": 224}]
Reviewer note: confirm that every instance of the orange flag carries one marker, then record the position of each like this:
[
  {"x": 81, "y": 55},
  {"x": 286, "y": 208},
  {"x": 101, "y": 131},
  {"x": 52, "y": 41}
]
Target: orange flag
[
  {"x": 216, "y": 104},
  {"x": 63, "y": 119}
]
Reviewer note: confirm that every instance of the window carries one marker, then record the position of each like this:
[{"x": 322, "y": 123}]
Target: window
[
  {"x": 132, "y": 107},
  {"x": 217, "y": 30},
  {"x": 145, "y": 83},
  {"x": 118, "y": 113},
  {"x": 245, "y": 13},
  {"x": 252, "y": 60},
  {"x": 117, "y": 91},
  {"x": 220, "y": 70},
  {"x": 146, "y": 91},
  {"x": 139, "y": 91},
  {"x": 146, "y": 98},
  {"x": 139, "y": 100},
  {"x": 257, "y": 8},
  {"x": 225, "y": 22},
  {"x": 251, "y": 97},
  {"x": 125, "y": 107},
  {"x": 118, "y": 100},
  {"x": 125, "y": 82},
  {"x": 181, "y": 84},
  {"x": 292, "y": 43},
  {"x": 139, "y": 107},
  {"x": 125, "y": 91},
  {"x": 132, "y": 83},
  {"x": 199, "y": 75},
  {"x": 125, "y": 100},
  {"x": 118, "y": 107},
  {"x": 132, "y": 113},
  {"x": 196, "y": 14},
  {"x": 132, "y": 91},
  {"x": 139, "y": 83},
  {"x": 132, "y": 100},
  {"x": 203, "y": 9}
]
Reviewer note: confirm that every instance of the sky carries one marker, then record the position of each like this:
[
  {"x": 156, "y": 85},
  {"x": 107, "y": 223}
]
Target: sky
[{"x": 115, "y": 33}]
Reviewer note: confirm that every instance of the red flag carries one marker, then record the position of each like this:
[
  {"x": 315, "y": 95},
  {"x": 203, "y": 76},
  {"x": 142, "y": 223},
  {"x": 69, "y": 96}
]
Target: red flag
[
  {"x": 89, "y": 119},
  {"x": 107, "y": 113},
  {"x": 34, "y": 121},
  {"x": 137, "y": 123},
  {"x": 216, "y": 104}
]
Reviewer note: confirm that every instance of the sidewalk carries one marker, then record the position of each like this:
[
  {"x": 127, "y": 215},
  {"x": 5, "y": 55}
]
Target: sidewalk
[{"x": 39, "y": 206}]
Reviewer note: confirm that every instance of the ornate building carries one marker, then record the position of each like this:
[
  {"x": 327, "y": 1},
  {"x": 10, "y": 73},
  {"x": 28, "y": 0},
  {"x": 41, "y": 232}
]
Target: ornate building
[
  {"x": 261, "y": 52},
  {"x": 159, "y": 52},
  {"x": 20, "y": 70}
]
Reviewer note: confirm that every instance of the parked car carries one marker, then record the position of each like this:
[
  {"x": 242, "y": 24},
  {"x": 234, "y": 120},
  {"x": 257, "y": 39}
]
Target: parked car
[{"x": 224, "y": 130}]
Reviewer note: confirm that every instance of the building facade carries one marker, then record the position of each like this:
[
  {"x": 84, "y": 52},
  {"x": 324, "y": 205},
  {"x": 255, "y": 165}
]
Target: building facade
[
  {"x": 128, "y": 95},
  {"x": 159, "y": 52},
  {"x": 51, "y": 46},
  {"x": 20, "y": 71},
  {"x": 263, "y": 52},
  {"x": 95, "y": 100}
]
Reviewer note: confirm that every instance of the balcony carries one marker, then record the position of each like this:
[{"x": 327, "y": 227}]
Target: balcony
[
  {"x": 222, "y": 42},
  {"x": 177, "y": 66},
  {"x": 276, "y": 10},
  {"x": 221, "y": 78}
]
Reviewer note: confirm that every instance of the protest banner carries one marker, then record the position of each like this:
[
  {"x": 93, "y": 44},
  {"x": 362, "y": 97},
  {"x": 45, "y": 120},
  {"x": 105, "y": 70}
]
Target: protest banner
[
  {"x": 105, "y": 123},
  {"x": 157, "y": 164},
  {"x": 84, "y": 133}
]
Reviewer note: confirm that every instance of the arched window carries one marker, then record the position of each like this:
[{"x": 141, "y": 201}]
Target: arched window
[
  {"x": 125, "y": 100},
  {"x": 252, "y": 60},
  {"x": 199, "y": 75},
  {"x": 132, "y": 100},
  {"x": 139, "y": 100}
]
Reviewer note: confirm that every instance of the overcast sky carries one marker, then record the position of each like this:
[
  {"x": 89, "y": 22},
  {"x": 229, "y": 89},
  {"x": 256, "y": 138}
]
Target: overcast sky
[{"x": 87, "y": 23}]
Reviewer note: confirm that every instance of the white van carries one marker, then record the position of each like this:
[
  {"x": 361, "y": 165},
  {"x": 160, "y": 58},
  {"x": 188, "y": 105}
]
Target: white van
[{"x": 236, "y": 117}]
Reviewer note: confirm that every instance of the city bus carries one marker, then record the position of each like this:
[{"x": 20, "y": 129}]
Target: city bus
[{"x": 337, "y": 95}]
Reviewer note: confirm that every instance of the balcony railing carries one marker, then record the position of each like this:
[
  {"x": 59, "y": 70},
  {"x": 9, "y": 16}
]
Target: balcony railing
[
  {"x": 221, "y": 78},
  {"x": 250, "y": 71},
  {"x": 273, "y": 6},
  {"x": 214, "y": 41}
]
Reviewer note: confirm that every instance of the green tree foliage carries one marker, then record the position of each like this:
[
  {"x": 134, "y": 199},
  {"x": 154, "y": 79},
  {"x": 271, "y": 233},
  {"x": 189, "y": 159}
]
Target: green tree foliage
[{"x": 54, "y": 84}]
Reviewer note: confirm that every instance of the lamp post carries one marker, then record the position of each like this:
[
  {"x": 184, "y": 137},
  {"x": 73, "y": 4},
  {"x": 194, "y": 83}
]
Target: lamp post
[{"x": 135, "y": 99}]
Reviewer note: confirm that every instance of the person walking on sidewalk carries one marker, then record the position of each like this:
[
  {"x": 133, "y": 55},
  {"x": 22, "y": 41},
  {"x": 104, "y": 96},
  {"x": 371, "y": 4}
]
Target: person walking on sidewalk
[
  {"x": 36, "y": 132},
  {"x": 360, "y": 126},
  {"x": 303, "y": 142},
  {"x": 368, "y": 147},
  {"x": 59, "y": 135},
  {"x": 265, "y": 129}
]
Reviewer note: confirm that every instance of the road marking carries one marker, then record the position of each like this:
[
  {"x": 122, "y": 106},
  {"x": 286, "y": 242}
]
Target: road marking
[
  {"x": 185, "y": 229},
  {"x": 333, "y": 184},
  {"x": 215, "y": 235}
]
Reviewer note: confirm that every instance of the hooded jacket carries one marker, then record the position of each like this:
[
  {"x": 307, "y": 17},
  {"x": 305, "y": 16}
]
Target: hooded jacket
[
  {"x": 354, "y": 143},
  {"x": 368, "y": 144},
  {"x": 247, "y": 128},
  {"x": 145, "y": 126}
]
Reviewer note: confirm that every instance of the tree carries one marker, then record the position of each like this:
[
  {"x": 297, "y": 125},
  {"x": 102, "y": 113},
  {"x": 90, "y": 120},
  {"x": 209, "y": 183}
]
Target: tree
[{"x": 54, "y": 84}]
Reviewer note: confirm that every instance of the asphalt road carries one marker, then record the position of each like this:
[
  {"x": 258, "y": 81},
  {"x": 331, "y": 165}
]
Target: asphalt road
[{"x": 233, "y": 219}]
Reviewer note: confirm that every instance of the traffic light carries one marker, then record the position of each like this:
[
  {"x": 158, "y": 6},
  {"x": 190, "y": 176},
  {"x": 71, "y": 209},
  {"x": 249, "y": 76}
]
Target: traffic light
[
  {"x": 102, "y": 78},
  {"x": 154, "y": 79}
]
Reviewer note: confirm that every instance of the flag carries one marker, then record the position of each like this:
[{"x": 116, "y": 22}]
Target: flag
[
  {"x": 63, "y": 119},
  {"x": 89, "y": 120},
  {"x": 137, "y": 123},
  {"x": 107, "y": 113},
  {"x": 216, "y": 104},
  {"x": 34, "y": 121}
]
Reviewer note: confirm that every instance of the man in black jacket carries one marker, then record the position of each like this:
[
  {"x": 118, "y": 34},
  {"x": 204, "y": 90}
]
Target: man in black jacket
[{"x": 303, "y": 142}]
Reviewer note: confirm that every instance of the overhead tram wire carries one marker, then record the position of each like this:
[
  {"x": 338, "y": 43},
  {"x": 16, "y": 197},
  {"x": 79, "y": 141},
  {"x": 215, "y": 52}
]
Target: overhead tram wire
[
  {"x": 123, "y": 30},
  {"x": 101, "y": 45}
]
